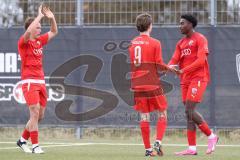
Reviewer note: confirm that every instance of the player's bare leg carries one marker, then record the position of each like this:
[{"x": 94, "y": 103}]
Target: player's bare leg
[
  {"x": 160, "y": 129},
  {"x": 41, "y": 114},
  {"x": 33, "y": 127},
  {"x": 191, "y": 136},
  {"x": 191, "y": 131},
  {"x": 196, "y": 117},
  {"x": 31, "y": 130},
  {"x": 145, "y": 130},
  {"x": 30, "y": 126},
  {"x": 202, "y": 124}
]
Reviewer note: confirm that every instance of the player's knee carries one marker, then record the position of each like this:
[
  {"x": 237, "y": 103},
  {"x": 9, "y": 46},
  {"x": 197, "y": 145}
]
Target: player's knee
[
  {"x": 190, "y": 106},
  {"x": 40, "y": 118},
  {"x": 145, "y": 117},
  {"x": 191, "y": 125},
  {"x": 34, "y": 112},
  {"x": 162, "y": 115},
  {"x": 34, "y": 117},
  {"x": 188, "y": 113}
]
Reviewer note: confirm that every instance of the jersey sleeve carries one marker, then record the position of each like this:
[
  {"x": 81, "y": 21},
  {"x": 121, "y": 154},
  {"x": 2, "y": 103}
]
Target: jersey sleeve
[
  {"x": 202, "y": 46},
  {"x": 176, "y": 56},
  {"x": 21, "y": 43},
  {"x": 158, "y": 58},
  {"x": 44, "y": 38},
  {"x": 158, "y": 53}
]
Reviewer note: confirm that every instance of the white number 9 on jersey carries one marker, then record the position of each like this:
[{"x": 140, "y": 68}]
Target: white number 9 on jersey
[{"x": 137, "y": 56}]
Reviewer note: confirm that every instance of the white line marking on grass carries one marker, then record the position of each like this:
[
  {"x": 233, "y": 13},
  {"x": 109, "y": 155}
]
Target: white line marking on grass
[
  {"x": 7, "y": 142},
  {"x": 41, "y": 143},
  {"x": 50, "y": 146},
  {"x": 107, "y": 144},
  {"x": 8, "y": 148},
  {"x": 170, "y": 145},
  {"x": 67, "y": 145}
]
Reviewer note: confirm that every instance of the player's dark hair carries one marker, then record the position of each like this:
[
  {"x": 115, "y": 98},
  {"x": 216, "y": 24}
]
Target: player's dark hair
[
  {"x": 143, "y": 21},
  {"x": 28, "y": 21},
  {"x": 190, "y": 18}
]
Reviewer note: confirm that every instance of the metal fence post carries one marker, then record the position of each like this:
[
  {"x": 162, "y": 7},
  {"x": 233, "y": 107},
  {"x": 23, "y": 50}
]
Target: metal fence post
[
  {"x": 212, "y": 56},
  {"x": 79, "y": 16},
  {"x": 212, "y": 108},
  {"x": 213, "y": 12},
  {"x": 79, "y": 132}
]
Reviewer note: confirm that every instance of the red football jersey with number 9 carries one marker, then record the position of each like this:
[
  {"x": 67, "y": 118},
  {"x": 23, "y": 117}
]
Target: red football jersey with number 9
[{"x": 145, "y": 53}]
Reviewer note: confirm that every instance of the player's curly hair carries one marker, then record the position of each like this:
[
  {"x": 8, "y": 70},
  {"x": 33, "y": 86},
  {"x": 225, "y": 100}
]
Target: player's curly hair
[
  {"x": 143, "y": 21},
  {"x": 190, "y": 18},
  {"x": 28, "y": 21}
]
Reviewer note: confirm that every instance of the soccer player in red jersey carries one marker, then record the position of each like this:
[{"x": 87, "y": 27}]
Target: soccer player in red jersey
[
  {"x": 30, "y": 48},
  {"x": 146, "y": 60},
  {"x": 191, "y": 55}
]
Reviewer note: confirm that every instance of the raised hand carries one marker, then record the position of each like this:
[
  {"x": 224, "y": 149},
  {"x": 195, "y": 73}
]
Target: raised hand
[
  {"x": 40, "y": 13},
  {"x": 47, "y": 12}
]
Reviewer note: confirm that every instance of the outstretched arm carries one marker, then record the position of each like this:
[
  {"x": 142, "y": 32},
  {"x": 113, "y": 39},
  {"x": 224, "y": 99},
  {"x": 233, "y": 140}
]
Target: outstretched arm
[
  {"x": 173, "y": 63},
  {"x": 159, "y": 61},
  {"x": 176, "y": 56},
  {"x": 33, "y": 25},
  {"x": 53, "y": 30}
]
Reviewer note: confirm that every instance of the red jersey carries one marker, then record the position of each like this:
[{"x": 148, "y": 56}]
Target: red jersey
[
  {"x": 31, "y": 54},
  {"x": 145, "y": 55},
  {"x": 191, "y": 55}
]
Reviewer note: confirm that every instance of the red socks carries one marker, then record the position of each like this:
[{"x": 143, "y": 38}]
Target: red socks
[
  {"x": 25, "y": 134},
  {"x": 145, "y": 129},
  {"x": 161, "y": 127},
  {"x": 191, "y": 135},
  {"x": 205, "y": 128},
  {"x": 34, "y": 137}
]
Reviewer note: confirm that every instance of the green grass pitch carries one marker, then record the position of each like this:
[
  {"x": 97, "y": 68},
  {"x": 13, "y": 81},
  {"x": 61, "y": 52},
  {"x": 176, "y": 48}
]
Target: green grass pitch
[{"x": 108, "y": 150}]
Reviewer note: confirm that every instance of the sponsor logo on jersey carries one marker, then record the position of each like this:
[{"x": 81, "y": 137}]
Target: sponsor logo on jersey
[
  {"x": 191, "y": 43},
  {"x": 186, "y": 52},
  {"x": 38, "y": 51},
  {"x": 38, "y": 43}
]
